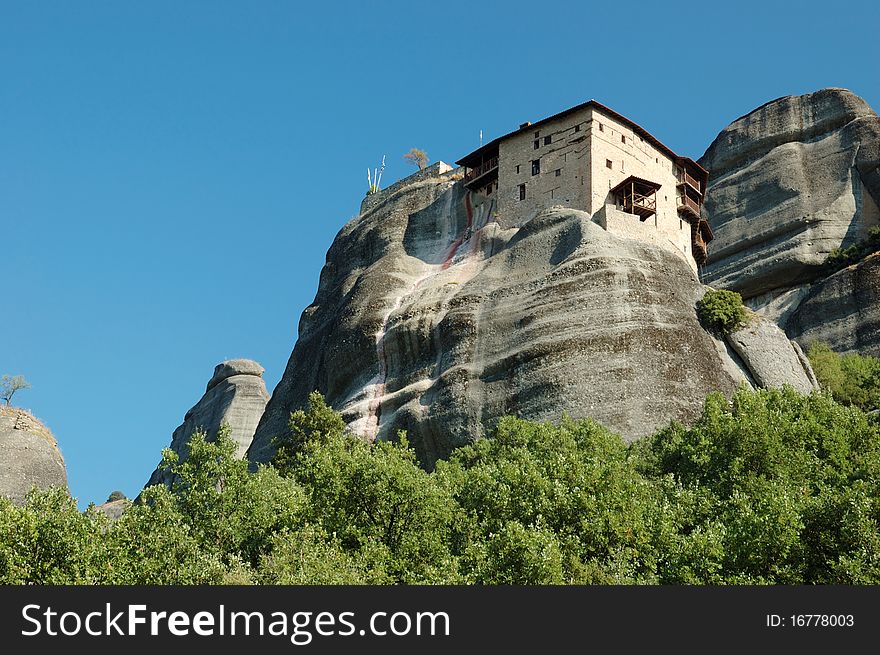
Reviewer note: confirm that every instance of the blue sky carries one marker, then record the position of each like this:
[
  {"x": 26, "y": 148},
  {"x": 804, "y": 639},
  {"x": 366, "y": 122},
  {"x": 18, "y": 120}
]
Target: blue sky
[{"x": 172, "y": 173}]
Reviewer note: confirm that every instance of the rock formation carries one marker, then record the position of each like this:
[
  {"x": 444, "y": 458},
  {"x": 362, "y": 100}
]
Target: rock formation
[
  {"x": 435, "y": 315},
  {"x": 788, "y": 183},
  {"x": 842, "y": 310},
  {"x": 29, "y": 455},
  {"x": 236, "y": 395}
]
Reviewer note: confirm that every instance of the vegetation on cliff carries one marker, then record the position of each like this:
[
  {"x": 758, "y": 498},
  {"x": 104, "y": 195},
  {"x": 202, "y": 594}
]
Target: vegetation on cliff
[
  {"x": 771, "y": 487},
  {"x": 840, "y": 258},
  {"x": 722, "y": 311},
  {"x": 852, "y": 379}
]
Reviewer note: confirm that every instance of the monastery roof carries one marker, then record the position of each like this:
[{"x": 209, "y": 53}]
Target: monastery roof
[{"x": 635, "y": 127}]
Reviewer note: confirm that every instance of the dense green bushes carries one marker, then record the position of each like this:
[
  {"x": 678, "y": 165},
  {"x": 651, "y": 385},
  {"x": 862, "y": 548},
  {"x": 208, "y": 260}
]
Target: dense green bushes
[
  {"x": 770, "y": 487},
  {"x": 722, "y": 311},
  {"x": 852, "y": 379}
]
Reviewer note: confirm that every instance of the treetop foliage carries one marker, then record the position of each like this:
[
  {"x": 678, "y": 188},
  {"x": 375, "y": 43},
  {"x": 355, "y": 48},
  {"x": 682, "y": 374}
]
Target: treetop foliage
[{"x": 769, "y": 487}]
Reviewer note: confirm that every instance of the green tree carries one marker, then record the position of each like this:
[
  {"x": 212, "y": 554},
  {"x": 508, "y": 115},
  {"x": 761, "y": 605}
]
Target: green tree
[
  {"x": 722, "y": 311},
  {"x": 852, "y": 379}
]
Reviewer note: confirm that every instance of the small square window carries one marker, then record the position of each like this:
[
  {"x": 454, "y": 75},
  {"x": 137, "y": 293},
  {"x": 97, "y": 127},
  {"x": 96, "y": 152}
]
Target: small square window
[
  {"x": 609, "y": 163},
  {"x": 536, "y": 166},
  {"x": 537, "y": 143},
  {"x": 601, "y": 127},
  {"x": 522, "y": 191},
  {"x": 547, "y": 140},
  {"x": 537, "y": 134},
  {"x": 577, "y": 128},
  {"x": 558, "y": 172}
]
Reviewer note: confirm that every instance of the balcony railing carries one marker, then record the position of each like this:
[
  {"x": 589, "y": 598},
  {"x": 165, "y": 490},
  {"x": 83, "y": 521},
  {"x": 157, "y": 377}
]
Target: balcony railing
[
  {"x": 482, "y": 169},
  {"x": 686, "y": 203},
  {"x": 641, "y": 205},
  {"x": 694, "y": 183}
]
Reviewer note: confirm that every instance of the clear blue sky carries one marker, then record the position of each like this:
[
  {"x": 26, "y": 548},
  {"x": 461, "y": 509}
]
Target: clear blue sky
[{"x": 172, "y": 173}]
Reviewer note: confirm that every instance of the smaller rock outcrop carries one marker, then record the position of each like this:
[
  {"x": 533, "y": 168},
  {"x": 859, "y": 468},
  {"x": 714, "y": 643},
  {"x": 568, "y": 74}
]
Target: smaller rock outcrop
[
  {"x": 770, "y": 357},
  {"x": 29, "y": 455},
  {"x": 842, "y": 310},
  {"x": 236, "y": 395},
  {"x": 113, "y": 509}
]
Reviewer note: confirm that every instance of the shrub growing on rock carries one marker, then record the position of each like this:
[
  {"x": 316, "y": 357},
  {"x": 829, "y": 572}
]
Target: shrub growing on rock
[{"x": 722, "y": 311}]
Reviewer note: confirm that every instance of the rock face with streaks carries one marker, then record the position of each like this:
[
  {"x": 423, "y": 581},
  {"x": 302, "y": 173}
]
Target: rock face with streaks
[
  {"x": 236, "y": 395},
  {"x": 788, "y": 183},
  {"x": 842, "y": 310},
  {"x": 771, "y": 358},
  {"x": 29, "y": 455},
  {"x": 437, "y": 316}
]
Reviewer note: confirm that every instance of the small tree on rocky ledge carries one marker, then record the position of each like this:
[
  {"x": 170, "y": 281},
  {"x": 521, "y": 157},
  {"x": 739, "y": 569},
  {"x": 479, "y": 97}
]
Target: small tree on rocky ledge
[
  {"x": 417, "y": 157},
  {"x": 9, "y": 384},
  {"x": 722, "y": 311}
]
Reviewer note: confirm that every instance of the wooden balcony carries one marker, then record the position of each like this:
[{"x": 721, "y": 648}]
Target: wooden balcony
[
  {"x": 641, "y": 205},
  {"x": 636, "y": 196},
  {"x": 688, "y": 205},
  {"x": 684, "y": 179},
  {"x": 482, "y": 174}
]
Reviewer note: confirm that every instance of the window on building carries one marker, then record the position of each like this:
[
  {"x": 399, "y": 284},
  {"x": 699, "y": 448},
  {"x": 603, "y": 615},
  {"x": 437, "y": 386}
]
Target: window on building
[
  {"x": 680, "y": 224},
  {"x": 522, "y": 191},
  {"x": 609, "y": 163},
  {"x": 577, "y": 128},
  {"x": 537, "y": 134},
  {"x": 489, "y": 190},
  {"x": 558, "y": 172},
  {"x": 601, "y": 127},
  {"x": 623, "y": 138},
  {"x": 656, "y": 160},
  {"x": 547, "y": 140},
  {"x": 536, "y": 166},
  {"x": 517, "y": 168},
  {"x": 537, "y": 143}
]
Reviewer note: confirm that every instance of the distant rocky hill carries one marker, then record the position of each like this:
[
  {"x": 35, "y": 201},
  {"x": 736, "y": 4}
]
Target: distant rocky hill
[
  {"x": 236, "y": 395},
  {"x": 436, "y": 316},
  {"x": 788, "y": 183},
  {"x": 29, "y": 455}
]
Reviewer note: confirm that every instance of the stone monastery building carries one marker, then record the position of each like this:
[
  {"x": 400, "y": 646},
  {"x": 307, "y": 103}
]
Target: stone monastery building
[{"x": 591, "y": 158}]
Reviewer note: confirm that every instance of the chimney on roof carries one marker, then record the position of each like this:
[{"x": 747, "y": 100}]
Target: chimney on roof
[{"x": 526, "y": 124}]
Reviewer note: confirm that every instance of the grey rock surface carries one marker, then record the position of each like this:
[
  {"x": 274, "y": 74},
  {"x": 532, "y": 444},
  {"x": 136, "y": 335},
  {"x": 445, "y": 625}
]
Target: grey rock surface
[
  {"x": 114, "y": 509},
  {"x": 437, "y": 316},
  {"x": 788, "y": 183},
  {"x": 771, "y": 358},
  {"x": 236, "y": 395},
  {"x": 842, "y": 310},
  {"x": 29, "y": 455}
]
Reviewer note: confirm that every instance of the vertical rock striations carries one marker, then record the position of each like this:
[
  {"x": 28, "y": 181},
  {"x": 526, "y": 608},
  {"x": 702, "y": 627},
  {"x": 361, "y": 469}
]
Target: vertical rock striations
[{"x": 236, "y": 395}]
